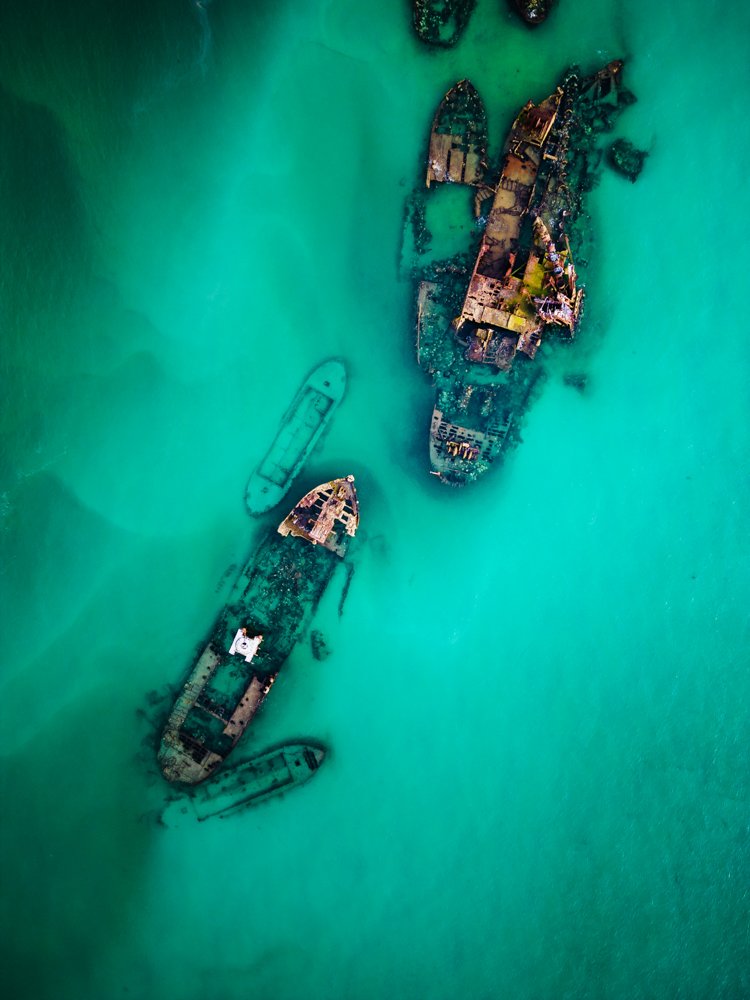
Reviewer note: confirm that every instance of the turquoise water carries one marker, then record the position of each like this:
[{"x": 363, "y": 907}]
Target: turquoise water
[{"x": 537, "y": 698}]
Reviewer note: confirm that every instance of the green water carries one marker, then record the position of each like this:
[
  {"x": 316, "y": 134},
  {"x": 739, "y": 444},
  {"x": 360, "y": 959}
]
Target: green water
[{"x": 538, "y": 696}]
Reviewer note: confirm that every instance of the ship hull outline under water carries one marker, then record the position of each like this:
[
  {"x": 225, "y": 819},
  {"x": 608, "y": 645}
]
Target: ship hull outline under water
[
  {"x": 269, "y": 608},
  {"x": 301, "y": 428}
]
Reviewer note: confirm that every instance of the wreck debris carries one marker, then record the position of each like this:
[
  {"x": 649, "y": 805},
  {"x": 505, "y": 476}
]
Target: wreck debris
[
  {"x": 345, "y": 588},
  {"x": 576, "y": 380},
  {"x": 318, "y": 645},
  {"x": 626, "y": 159},
  {"x": 270, "y": 606}
]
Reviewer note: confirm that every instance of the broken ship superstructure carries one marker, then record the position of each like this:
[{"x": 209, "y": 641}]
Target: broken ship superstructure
[
  {"x": 270, "y": 606},
  {"x": 480, "y": 325}
]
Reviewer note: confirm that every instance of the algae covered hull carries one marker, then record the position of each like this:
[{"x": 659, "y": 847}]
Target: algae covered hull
[
  {"x": 247, "y": 783},
  {"x": 271, "y": 604},
  {"x": 300, "y": 429},
  {"x": 480, "y": 322}
]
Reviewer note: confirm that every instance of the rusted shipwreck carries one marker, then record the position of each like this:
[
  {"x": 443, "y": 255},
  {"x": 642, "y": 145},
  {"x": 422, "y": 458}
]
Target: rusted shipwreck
[
  {"x": 270, "y": 606},
  {"x": 480, "y": 325}
]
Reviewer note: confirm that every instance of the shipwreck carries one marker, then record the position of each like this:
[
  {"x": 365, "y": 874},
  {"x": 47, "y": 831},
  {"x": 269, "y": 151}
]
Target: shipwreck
[
  {"x": 482, "y": 320},
  {"x": 269, "y": 608}
]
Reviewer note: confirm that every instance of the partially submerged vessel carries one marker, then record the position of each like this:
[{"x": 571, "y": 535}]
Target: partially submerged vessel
[
  {"x": 247, "y": 783},
  {"x": 480, "y": 325},
  {"x": 271, "y": 604},
  {"x": 301, "y": 428}
]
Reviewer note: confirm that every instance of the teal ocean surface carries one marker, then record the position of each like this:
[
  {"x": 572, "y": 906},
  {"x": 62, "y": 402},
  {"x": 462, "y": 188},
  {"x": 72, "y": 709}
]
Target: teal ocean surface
[{"x": 537, "y": 699}]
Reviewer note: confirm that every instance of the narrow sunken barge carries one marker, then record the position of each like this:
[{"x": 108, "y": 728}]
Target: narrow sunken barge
[
  {"x": 270, "y": 606},
  {"x": 481, "y": 322}
]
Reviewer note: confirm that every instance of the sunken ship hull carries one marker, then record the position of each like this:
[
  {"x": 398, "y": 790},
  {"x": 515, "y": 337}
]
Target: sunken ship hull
[
  {"x": 480, "y": 324},
  {"x": 271, "y": 605}
]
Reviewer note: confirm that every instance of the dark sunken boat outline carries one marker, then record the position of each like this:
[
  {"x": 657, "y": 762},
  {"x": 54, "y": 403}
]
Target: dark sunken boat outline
[
  {"x": 272, "y": 601},
  {"x": 300, "y": 430},
  {"x": 249, "y": 782}
]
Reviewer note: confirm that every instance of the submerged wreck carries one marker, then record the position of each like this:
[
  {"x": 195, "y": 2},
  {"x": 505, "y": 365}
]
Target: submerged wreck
[
  {"x": 270, "y": 606},
  {"x": 533, "y": 11},
  {"x": 441, "y": 22},
  {"x": 247, "y": 784},
  {"x": 481, "y": 323},
  {"x": 301, "y": 428},
  {"x": 626, "y": 159}
]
